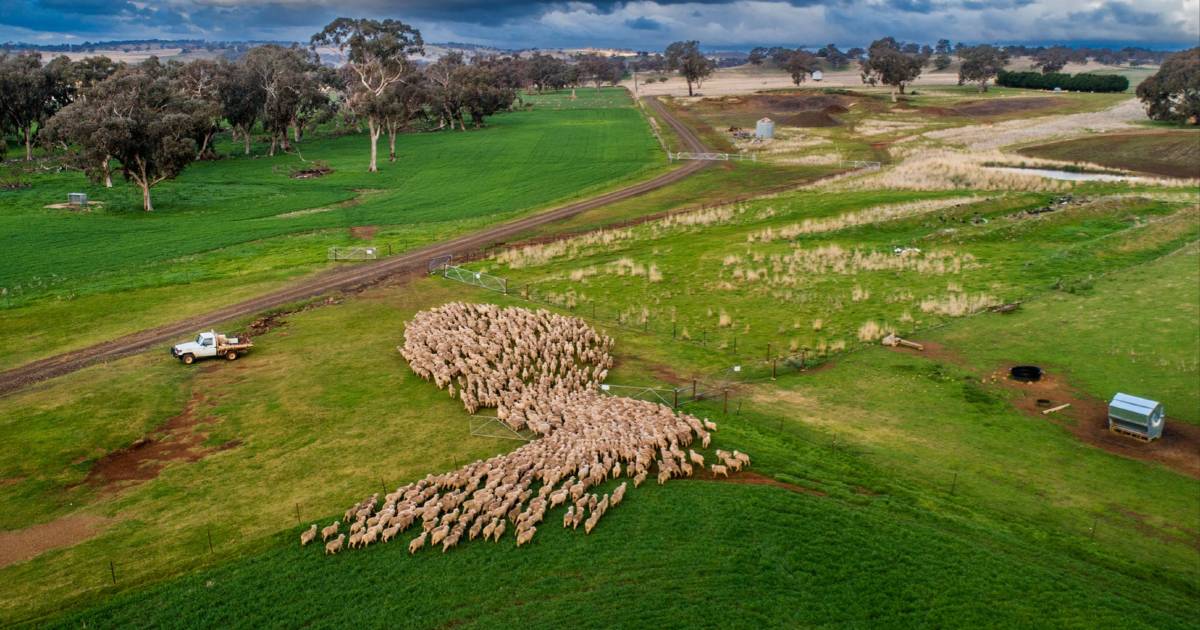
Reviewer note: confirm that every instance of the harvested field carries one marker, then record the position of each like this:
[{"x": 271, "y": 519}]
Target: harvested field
[
  {"x": 21, "y": 545},
  {"x": 1167, "y": 153},
  {"x": 999, "y": 106}
]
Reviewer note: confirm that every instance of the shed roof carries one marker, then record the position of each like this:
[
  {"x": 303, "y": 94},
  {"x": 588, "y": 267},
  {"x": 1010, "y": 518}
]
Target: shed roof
[{"x": 1132, "y": 404}]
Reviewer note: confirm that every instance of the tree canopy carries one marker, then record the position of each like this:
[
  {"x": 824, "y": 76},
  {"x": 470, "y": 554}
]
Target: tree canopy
[
  {"x": 800, "y": 64},
  {"x": 139, "y": 117},
  {"x": 980, "y": 64},
  {"x": 686, "y": 58},
  {"x": 1173, "y": 93},
  {"x": 888, "y": 64}
]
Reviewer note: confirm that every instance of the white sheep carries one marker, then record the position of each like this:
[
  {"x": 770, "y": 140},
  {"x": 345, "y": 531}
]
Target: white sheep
[
  {"x": 335, "y": 546},
  {"x": 329, "y": 531},
  {"x": 308, "y": 535}
]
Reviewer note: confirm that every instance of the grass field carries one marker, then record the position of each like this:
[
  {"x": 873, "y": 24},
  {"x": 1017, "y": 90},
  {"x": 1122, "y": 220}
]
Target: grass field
[
  {"x": 1174, "y": 153},
  {"x": 890, "y": 487},
  {"x": 237, "y": 221}
]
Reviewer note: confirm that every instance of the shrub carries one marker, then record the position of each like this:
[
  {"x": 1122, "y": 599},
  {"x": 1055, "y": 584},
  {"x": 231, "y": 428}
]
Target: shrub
[{"x": 1082, "y": 82}]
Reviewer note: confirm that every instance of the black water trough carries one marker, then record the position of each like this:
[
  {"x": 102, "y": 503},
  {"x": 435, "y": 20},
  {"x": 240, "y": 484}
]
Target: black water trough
[{"x": 1026, "y": 373}]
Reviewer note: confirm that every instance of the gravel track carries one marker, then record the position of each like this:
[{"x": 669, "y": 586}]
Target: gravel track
[{"x": 346, "y": 277}]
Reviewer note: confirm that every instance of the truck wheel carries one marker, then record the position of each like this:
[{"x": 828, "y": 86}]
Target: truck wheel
[
  {"x": 187, "y": 359},
  {"x": 231, "y": 355}
]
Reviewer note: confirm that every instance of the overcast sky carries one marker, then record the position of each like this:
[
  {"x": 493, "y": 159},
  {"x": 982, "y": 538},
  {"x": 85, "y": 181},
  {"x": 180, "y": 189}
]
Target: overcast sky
[{"x": 641, "y": 25}]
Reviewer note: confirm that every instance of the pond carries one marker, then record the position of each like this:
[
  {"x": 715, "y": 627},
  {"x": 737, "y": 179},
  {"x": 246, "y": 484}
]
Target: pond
[{"x": 1068, "y": 175}]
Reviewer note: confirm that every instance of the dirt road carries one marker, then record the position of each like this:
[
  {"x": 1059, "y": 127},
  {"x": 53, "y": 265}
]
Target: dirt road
[{"x": 346, "y": 277}]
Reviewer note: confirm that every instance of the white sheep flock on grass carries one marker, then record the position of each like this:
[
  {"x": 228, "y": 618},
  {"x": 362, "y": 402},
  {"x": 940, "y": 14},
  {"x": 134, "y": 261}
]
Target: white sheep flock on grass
[{"x": 541, "y": 372}]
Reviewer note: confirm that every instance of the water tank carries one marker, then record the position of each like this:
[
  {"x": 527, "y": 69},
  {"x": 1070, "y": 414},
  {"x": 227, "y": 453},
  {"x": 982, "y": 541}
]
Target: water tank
[
  {"x": 817, "y": 76},
  {"x": 1139, "y": 416},
  {"x": 765, "y": 129},
  {"x": 77, "y": 199}
]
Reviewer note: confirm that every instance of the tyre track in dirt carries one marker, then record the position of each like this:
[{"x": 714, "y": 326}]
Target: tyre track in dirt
[{"x": 346, "y": 278}]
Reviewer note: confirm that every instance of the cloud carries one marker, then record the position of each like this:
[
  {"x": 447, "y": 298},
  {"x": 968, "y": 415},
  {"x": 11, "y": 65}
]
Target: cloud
[{"x": 641, "y": 24}]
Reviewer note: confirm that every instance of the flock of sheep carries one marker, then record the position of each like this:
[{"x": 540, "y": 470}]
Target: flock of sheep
[{"x": 541, "y": 371}]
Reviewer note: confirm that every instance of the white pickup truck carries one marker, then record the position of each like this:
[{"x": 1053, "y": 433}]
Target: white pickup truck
[{"x": 210, "y": 344}]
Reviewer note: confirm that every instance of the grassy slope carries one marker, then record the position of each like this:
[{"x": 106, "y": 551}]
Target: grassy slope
[
  {"x": 887, "y": 544},
  {"x": 1170, "y": 153},
  {"x": 220, "y": 221},
  {"x": 874, "y": 408}
]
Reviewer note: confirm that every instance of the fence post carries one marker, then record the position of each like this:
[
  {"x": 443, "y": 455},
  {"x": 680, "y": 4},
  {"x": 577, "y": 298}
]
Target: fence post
[
  {"x": 768, "y": 350},
  {"x": 802, "y": 358},
  {"x": 112, "y": 571},
  {"x": 693, "y": 389},
  {"x": 210, "y": 546},
  {"x": 954, "y": 484},
  {"x": 675, "y": 390},
  {"x": 735, "y": 343},
  {"x": 297, "y": 513},
  {"x": 704, "y": 338},
  {"x": 672, "y": 330},
  {"x": 773, "y": 362},
  {"x": 725, "y": 410}
]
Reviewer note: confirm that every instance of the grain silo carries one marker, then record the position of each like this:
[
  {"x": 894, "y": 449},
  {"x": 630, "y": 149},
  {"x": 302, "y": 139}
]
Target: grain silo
[
  {"x": 1138, "y": 417},
  {"x": 817, "y": 75},
  {"x": 765, "y": 129}
]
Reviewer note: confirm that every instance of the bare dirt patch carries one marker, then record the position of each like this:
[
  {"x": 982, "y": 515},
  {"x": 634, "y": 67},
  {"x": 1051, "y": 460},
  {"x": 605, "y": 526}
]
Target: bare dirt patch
[
  {"x": 22, "y": 544},
  {"x": 999, "y": 106},
  {"x": 144, "y": 459},
  {"x": 364, "y": 232},
  {"x": 755, "y": 479}
]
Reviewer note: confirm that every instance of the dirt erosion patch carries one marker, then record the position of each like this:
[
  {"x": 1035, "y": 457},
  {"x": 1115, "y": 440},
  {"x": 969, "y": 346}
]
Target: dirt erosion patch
[
  {"x": 792, "y": 110},
  {"x": 1086, "y": 417},
  {"x": 22, "y": 544},
  {"x": 144, "y": 459},
  {"x": 751, "y": 478},
  {"x": 364, "y": 232}
]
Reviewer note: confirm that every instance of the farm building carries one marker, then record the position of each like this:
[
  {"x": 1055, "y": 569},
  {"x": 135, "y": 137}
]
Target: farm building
[{"x": 1138, "y": 416}]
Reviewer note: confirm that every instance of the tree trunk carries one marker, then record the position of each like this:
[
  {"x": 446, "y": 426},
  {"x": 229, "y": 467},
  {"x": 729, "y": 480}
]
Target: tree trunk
[
  {"x": 274, "y": 140},
  {"x": 374, "y": 130},
  {"x": 391, "y": 144},
  {"x": 689, "y": 87},
  {"x": 107, "y": 172},
  {"x": 246, "y": 139},
  {"x": 296, "y": 132},
  {"x": 146, "y": 205},
  {"x": 28, "y": 143}
]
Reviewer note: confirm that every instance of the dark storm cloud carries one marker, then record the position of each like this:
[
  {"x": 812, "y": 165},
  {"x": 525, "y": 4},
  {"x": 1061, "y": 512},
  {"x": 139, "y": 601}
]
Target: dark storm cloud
[
  {"x": 1118, "y": 13},
  {"x": 644, "y": 23}
]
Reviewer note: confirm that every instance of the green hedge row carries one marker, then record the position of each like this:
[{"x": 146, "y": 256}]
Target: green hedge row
[{"x": 1082, "y": 82}]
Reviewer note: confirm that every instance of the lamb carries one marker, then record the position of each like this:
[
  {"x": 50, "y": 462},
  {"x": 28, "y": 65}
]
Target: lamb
[
  {"x": 718, "y": 469},
  {"x": 696, "y": 458},
  {"x": 618, "y": 495},
  {"x": 329, "y": 531},
  {"x": 525, "y": 535},
  {"x": 356, "y": 527},
  {"x": 498, "y": 531},
  {"x": 308, "y": 535},
  {"x": 439, "y": 534},
  {"x": 356, "y": 540},
  {"x": 370, "y": 536},
  {"x": 569, "y": 517},
  {"x": 335, "y": 546},
  {"x": 417, "y": 543},
  {"x": 390, "y": 533}
]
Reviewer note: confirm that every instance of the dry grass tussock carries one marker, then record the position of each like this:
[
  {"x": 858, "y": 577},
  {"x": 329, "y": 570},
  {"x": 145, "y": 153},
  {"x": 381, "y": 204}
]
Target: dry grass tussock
[
  {"x": 947, "y": 169},
  {"x": 877, "y": 214},
  {"x": 876, "y": 127},
  {"x": 603, "y": 240},
  {"x": 790, "y": 269},
  {"x": 872, "y": 330},
  {"x": 787, "y": 140},
  {"x": 958, "y": 304}
]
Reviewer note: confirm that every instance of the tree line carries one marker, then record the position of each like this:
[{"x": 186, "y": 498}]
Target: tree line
[{"x": 154, "y": 118}]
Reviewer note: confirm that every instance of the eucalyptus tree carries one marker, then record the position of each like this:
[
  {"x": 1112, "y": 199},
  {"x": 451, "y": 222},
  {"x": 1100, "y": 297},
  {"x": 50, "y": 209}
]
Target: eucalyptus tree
[
  {"x": 377, "y": 56},
  {"x": 138, "y": 117},
  {"x": 686, "y": 58}
]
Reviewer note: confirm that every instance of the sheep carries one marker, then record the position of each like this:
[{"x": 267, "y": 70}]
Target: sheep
[
  {"x": 525, "y": 535},
  {"x": 308, "y": 535},
  {"x": 417, "y": 543},
  {"x": 498, "y": 531},
  {"x": 356, "y": 527},
  {"x": 329, "y": 531},
  {"x": 390, "y": 533},
  {"x": 696, "y": 458},
  {"x": 718, "y": 469},
  {"x": 741, "y": 457},
  {"x": 639, "y": 479},
  {"x": 370, "y": 536},
  {"x": 569, "y": 517},
  {"x": 710, "y": 425},
  {"x": 356, "y": 540},
  {"x": 618, "y": 495},
  {"x": 439, "y": 534},
  {"x": 335, "y": 546}
]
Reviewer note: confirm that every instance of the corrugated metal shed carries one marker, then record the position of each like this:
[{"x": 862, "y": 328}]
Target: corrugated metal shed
[{"x": 1138, "y": 415}]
